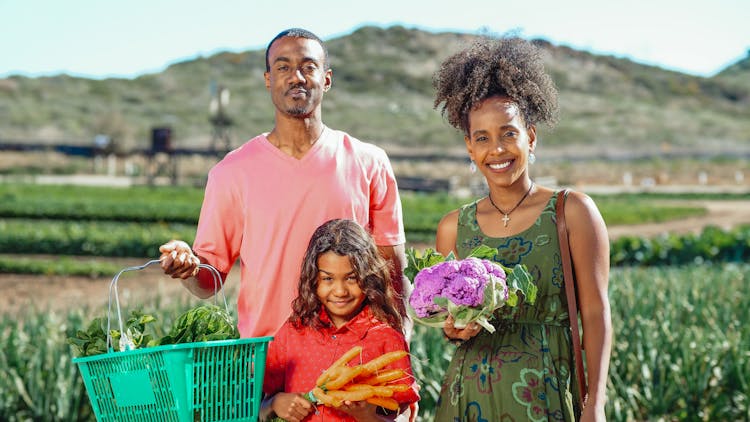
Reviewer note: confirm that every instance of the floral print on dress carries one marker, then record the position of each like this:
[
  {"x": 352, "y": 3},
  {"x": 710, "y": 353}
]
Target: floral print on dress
[
  {"x": 473, "y": 412},
  {"x": 473, "y": 223},
  {"x": 456, "y": 389},
  {"x": 530, "y": 392},
  {"x": 559, "y": 374},
  {"x": 511, "y": 252},
  {"x": 534, "y": 339},
  {"x": 542, "y": 239},
  {"x": 485, "y": 369},
  {"x": 557, "y": 272},
  {"x": 473, "y": 242}
]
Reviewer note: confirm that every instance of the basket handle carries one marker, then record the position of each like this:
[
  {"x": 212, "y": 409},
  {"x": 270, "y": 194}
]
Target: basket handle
[{"x": 125, "y": 342}]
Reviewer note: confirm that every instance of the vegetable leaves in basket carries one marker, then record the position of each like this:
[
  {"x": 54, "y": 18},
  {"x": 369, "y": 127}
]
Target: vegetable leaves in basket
[
  {"x": 93, "y": 340},
  {"x": 203, "y": 323}
]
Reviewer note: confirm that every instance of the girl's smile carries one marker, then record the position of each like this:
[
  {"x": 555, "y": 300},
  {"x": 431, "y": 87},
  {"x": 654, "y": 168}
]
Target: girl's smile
[{"x": 338, "y": 288}]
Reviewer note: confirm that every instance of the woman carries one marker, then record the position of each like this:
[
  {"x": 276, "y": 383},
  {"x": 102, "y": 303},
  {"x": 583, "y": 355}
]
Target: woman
[{"x": 496, "y": 92}]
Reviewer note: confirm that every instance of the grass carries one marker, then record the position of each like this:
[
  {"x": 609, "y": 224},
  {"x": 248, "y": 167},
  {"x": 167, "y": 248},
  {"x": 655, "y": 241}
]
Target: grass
[{"x": 631, "y": 209}]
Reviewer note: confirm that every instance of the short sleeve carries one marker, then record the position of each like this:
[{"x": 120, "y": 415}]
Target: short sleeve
[
  {"x": 219, "y": 234},
  {"x": 275, "y": 374},
  {"x": 386, "y": 216}
]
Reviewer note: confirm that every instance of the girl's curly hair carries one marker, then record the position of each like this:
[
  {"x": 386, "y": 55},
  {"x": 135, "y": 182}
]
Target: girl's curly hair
[
  {"x": 349, "y": 239},
  {"x": 509, "y": 66}
]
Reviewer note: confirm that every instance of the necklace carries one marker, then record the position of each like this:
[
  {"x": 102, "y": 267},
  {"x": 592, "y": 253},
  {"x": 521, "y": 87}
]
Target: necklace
[{"x": 506, "y": 215}]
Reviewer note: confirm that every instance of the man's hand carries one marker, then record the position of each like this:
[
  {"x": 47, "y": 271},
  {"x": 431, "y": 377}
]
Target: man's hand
[{"x": 177, "y": 259}]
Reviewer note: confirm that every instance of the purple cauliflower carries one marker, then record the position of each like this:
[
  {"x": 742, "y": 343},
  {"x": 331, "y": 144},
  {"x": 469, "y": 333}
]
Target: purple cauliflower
[{"x": 462, "y": 282}]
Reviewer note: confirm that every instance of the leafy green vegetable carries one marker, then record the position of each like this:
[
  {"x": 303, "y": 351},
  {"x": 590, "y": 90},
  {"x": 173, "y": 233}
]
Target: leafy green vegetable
[
  {"x": 416, "y": 261},
  {"x": 203, "y": 323},
  {"x": 93, "y": 340}
]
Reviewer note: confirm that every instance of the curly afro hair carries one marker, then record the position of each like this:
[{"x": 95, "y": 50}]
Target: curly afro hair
[{"x": 510, "y": 67}]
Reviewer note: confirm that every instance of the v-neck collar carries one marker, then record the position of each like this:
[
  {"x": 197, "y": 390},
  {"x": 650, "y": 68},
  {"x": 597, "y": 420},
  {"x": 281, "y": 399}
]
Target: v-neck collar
[{"x": 317, "y": 145}]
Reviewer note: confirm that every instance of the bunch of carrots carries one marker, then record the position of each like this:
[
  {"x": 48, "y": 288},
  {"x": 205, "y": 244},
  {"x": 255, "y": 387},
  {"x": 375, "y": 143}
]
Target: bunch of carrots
[{"x": 366, "y": 382}]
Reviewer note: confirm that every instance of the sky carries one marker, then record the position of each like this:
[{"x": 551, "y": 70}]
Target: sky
[{"x": 107, "y": 38}]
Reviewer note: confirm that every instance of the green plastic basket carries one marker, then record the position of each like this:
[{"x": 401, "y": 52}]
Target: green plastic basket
[{"x": 208, "y": 381}]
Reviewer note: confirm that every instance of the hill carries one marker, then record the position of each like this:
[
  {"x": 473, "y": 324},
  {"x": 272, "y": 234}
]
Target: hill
[
  {"x": 382, "y": 92},
  {"x": 737, "y": 75}
]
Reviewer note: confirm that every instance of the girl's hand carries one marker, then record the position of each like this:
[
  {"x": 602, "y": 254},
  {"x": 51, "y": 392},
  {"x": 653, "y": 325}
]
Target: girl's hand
[
  {"x": 362, "y": 411},
  {"x": 464, "y": 334},
  {"x": 291, "y": 407}
]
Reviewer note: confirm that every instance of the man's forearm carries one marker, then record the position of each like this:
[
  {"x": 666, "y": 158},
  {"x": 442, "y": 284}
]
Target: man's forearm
[{"x": 205, "y": 283}]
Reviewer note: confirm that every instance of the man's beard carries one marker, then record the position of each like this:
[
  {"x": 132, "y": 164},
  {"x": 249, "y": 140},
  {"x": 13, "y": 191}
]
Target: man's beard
[
  {"x": 298, "y": 111},
  {"x": 299, "y": 108}
]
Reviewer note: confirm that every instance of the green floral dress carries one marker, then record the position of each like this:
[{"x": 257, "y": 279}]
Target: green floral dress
[{"x": 522, "y": 372}]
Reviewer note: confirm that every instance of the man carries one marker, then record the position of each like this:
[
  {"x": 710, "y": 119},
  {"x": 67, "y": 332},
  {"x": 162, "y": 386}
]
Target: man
[{"x": 264, "y": 200}]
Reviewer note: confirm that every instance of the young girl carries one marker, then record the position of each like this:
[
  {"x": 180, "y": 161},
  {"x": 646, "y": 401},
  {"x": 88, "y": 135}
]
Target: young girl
[
  {"x": 345, "y": 299},
  {"x": 496, "y": 92}
]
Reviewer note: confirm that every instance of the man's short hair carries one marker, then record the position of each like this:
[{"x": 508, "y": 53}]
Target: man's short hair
[{"x": 297, "y": 33}]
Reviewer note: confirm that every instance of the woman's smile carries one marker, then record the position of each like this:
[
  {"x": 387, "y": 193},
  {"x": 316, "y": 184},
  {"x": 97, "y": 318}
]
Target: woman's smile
[{"x": 500, "y": 166}]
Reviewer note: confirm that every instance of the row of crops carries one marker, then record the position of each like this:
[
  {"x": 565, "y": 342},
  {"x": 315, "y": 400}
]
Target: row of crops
[
  {"x": 101, "y": 222},
  {"x": 681, "y": 351},
  {"x": 681, "y": 331},
  {"x": 110, "y": 239}
]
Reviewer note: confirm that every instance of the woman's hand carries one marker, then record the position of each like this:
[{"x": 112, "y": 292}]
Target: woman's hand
[
  {"x": 291, "y": 407},
  {"x": 177, "y": 259},
  {"x": 593, "y": 414},
  {"x": 463, "y": 334}
]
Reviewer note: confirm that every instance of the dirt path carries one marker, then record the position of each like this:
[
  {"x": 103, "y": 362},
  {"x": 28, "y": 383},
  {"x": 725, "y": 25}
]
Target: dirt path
[
  {"x": 724, "y": 214},
  {"x": 62, "y": 293}
]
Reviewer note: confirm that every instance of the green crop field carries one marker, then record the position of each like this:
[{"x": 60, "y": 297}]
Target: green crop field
[
  {"x": 682, "y": 333},
  {"x": 682, "y": 336},
  {"x": 133, "y": 222}
]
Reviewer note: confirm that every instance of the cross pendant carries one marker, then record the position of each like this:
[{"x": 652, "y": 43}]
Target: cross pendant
[{"x": 505, "y": 220}]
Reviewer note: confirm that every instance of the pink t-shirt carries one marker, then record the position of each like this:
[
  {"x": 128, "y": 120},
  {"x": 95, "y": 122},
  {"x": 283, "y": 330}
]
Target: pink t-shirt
[{"x": 262, "y": 206}]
